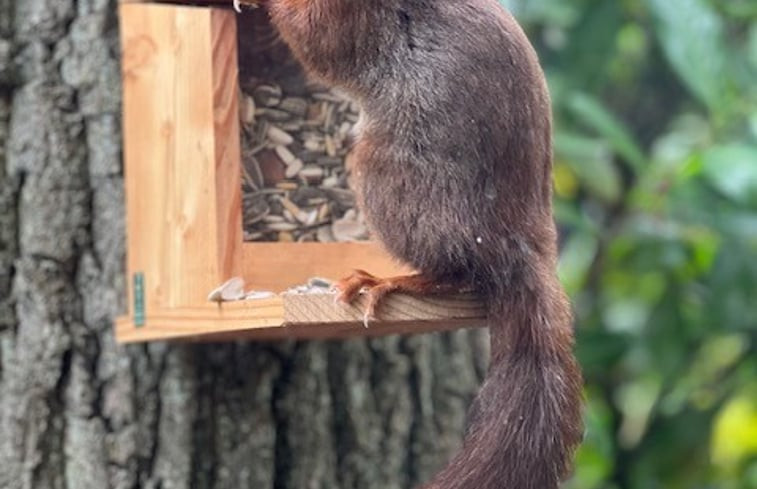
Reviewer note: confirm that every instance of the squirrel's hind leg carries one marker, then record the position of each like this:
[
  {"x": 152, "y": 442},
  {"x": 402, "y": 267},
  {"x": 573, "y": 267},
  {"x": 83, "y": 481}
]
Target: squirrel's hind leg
[{"x": 377, "y": 288}]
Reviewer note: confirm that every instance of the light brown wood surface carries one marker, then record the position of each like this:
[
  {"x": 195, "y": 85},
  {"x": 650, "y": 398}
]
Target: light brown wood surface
[
  {"x": 181, "y": 150},
  {"x": 305, "y": 316},
  {"x": 228, "y": 177},
  {"x": 220, "y": 3},
  {"x": 311, "y": 310},
  {"x": 280, "y": 266}
]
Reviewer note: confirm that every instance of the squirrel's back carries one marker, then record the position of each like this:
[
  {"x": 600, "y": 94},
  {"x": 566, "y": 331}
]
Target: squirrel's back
[{"x": 454, "y": 150}]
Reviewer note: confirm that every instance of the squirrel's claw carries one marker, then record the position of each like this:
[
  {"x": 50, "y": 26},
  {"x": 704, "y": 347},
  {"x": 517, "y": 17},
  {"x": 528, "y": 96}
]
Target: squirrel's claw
[
  {"x": 375, "y": 289},
  {"x": 350, "y": 287},
  {"x": 367, "y": 318},
  {"x": 237, "y": 4}
]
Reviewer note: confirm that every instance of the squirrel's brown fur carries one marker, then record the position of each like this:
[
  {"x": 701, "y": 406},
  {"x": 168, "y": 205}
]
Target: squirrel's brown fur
[{"x": 453, "y": 169}]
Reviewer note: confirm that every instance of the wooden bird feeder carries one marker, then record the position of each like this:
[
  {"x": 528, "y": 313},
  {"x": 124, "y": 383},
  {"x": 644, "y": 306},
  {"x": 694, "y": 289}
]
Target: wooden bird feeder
[{"x": 184, "y": 209}]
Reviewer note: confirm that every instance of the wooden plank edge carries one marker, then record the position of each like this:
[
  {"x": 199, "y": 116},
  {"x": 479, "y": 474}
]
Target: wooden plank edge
[
  {"x": 198, "y": 3},
  {"x": 319, "y": 308},
  {"x": 226, "y": 138},
  {"x": 312, "y": 331},
  {"x": 334, "y": 331},
  {"x": 202, "y": 319},
  {"x": 304, "y": 316}
]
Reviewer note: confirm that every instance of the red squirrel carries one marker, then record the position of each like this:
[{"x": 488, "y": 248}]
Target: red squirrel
[{"x": 452, "y": 164}]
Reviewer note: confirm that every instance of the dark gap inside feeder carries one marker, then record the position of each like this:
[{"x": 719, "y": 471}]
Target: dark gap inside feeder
[{"x": 295, "y": 136}]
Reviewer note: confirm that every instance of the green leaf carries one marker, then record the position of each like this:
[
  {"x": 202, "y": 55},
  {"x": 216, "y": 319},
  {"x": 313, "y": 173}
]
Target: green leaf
[
  {"x": 553, "y": 12},
  {"x": 732, "y": 169},
  {"x": 577, "y": 255},
  {"x": 744, "y": 9},
  {"x": 691, "y": 35},
  {"x": 590, "y": 112},
  {"x": 752, "y": 46},
  {"x": 597, "y": 28},
  {"x": 595, "y": 457},
  {"x": 735, "y": 431},
  {"x": 600, "y": 350},
  {"x": 591, "y": 161}
]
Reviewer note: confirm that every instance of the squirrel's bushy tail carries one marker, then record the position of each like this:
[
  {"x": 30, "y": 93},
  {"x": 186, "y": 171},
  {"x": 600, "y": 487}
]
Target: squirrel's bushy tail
[{"x": 525, "y": 422}]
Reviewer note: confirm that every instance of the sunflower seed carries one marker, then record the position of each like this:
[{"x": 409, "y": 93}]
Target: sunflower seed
[
  {"x": 295, "y": 135},
  {"x": 267, "y": 95},
  {"x": 279, "y": 136}
]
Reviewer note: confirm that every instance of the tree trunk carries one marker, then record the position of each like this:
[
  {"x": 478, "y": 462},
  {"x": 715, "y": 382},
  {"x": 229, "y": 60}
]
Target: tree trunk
[{"x": 78, "y": 412}]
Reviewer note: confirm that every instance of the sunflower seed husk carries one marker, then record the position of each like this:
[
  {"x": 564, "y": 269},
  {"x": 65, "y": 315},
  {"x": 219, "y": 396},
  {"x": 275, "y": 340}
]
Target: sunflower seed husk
[
  {"x": 247, "y": 110},
  {"x": 294, "y": 168},
  {"x": 279, "y": 136},
  {"x": 295, "y": 135},
  {"x": 267, "y": 95}
]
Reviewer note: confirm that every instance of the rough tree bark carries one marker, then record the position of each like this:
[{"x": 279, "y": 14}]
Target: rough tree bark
[{"x": 78, "y": 412}]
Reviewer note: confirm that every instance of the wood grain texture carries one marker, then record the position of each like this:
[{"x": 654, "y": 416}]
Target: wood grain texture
[
  {"x": 193, "y": 2},
  {"x": 223, "y": 32},
  {"x": 221, "y": 4},
  {"x": 181, "y": 150},
  {"x": 205, "y": 319},
  {"x": 279, "y": 266},
  {"x": 305, "y": 316},
  {"x": 320, "y": 315}
]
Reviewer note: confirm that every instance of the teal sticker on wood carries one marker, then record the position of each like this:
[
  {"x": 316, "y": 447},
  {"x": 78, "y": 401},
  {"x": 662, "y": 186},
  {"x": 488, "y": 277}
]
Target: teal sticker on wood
[{"x": 139, "y": 300}]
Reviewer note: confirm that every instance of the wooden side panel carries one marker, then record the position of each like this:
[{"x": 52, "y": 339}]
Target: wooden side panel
[
  {"x": 172, "y": 81},
  {"x": 277, "y": 267},
  {"x": 144, "y": 150},
  {"x": 223, "y": 29}
]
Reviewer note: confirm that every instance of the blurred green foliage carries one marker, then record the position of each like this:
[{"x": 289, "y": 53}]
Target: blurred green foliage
[{"x": 656, "y": 183}]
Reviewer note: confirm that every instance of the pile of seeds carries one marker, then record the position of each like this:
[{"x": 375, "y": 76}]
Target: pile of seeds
[{"x": 295, "y": 138}]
